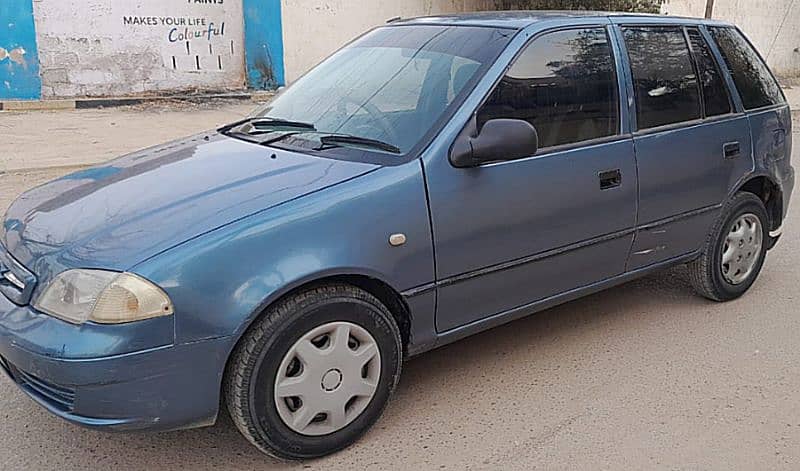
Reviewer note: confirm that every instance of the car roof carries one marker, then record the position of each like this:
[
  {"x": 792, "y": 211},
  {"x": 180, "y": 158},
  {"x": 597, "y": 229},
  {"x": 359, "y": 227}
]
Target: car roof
[{"x": 520, "y": 19}]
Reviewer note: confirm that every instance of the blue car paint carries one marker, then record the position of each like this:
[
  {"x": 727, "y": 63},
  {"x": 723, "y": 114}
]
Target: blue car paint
[
  {"x": 306, "y": 240},
  {"x": 160, "y": 197},
  {"x": 701, "y": 182},
  {"x": 277, "y": 224},
  {"x": 118, "y": 380}
]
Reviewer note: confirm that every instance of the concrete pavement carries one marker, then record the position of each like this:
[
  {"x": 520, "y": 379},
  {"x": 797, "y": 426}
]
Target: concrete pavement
[
  {"x": 793, "y": 97},
  {"x": 44, "y": 139},
  {"x": 642, "y": 376}
]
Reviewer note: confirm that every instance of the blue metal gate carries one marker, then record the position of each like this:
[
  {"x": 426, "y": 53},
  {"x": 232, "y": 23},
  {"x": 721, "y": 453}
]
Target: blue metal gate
[
  {"x": 19, "y": 58},
  {"x": 263, "y": 42}
]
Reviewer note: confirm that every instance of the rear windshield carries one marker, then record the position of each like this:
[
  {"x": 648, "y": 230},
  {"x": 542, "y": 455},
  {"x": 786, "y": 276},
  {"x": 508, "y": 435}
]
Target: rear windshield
[{"x": 756, "y": 84}]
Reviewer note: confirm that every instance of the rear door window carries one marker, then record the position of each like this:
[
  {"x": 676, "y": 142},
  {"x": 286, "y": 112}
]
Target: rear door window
[
  {"x": 564, "y": 83},
  {"x": 715, "y": 94},
  {"x": 756, "y": 85},
  {"x": 664, "y": 80}
]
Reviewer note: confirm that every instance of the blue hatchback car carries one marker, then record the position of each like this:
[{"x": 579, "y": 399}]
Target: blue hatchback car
[{"x": 434, "y": 178}]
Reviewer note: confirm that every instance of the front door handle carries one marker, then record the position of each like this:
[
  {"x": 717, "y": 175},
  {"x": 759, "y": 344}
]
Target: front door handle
[
  {"x": 731, "y": 150},
  {"x": 610, "y": 179}
]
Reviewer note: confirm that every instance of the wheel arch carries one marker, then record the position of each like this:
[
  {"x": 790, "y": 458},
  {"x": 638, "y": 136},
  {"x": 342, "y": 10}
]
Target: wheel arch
[
  {"x": 769, "y": 192},
  {"x": 369, "y": 282}
]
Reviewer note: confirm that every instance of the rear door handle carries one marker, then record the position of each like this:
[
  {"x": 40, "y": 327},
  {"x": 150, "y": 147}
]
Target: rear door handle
[
  {"x": 732, "y": 150},
  {"x": 610, "y": 179}
]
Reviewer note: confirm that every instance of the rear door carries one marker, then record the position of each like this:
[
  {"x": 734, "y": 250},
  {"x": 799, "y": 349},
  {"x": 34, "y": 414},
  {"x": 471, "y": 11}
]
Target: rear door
[{"x": 691, "y": 144}]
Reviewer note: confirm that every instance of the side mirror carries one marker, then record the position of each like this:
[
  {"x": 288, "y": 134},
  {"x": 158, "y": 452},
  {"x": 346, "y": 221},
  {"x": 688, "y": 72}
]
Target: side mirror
[{"x": 499, "y": 139}]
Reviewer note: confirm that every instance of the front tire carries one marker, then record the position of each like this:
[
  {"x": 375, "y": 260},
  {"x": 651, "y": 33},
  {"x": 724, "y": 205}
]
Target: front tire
[
  {"x": 734, "y": 251},
  {"x": 314, "y": 372}
]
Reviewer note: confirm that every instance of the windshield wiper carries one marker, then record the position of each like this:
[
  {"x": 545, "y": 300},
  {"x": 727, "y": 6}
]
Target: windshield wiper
[
  {"x": 337, "y": 140},
  {"x": 262, "y": 123}
]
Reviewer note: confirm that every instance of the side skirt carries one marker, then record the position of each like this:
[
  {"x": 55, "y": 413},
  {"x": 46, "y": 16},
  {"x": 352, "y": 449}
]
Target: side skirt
[{"x": 452, "y": 335}]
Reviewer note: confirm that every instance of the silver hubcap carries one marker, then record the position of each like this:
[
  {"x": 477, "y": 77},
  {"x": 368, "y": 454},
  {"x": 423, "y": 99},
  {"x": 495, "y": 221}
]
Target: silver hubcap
[
  {"x": 741, "y": 249},
  {"x": 327, "y": 378}
]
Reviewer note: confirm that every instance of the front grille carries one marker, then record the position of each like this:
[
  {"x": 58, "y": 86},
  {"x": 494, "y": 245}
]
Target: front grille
[
  {"x": 16, "y": 281},
  {"x": 60, "y": 397}
]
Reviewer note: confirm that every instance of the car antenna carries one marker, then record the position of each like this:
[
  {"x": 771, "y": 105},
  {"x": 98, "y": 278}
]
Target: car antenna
[{"x": 394, "y": 18}]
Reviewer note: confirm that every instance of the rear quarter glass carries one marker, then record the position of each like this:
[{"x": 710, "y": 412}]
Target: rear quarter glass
[{"x": 754, "y": 81}]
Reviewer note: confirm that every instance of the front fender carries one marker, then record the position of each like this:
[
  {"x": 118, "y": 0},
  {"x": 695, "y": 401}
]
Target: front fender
[{"x": 220, "y": 281}]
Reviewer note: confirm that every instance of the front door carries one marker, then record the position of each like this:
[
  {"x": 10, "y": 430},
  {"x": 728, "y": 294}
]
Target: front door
[{"x": 511, "y": 233}]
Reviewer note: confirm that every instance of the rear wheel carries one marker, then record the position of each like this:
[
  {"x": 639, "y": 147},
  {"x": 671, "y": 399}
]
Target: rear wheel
[
  {"x": 734, "y": 252},
  {"x": 314, "y": 372}
]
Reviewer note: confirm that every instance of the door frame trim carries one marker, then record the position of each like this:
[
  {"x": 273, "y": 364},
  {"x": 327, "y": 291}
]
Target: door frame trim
[
  {"x": 503, "y": 266},
  {"x": 678, "y": 217}
]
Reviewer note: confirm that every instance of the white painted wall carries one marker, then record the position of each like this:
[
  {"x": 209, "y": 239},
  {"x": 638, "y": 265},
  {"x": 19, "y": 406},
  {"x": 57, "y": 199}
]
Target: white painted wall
[
  {"x": 313, "y": 29},
  {"x": 772, "y": 25},
  {"x": 87, "y": 48}
]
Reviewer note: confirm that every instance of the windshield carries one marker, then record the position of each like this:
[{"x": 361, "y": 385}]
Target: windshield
[{"x": 388, "y": 88}]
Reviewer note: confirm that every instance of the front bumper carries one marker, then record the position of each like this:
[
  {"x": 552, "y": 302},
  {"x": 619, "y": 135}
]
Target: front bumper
[{"x": 161, "y": 388}]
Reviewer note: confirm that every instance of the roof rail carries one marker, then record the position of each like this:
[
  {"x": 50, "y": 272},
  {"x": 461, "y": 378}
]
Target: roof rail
[{"x": 394, "y": 18}]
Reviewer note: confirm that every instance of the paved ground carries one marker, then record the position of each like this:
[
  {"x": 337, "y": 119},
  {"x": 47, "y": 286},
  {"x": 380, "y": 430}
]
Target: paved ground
[
  {"x": 34, "y": 140},
  {"x": 643, "y": 376}
]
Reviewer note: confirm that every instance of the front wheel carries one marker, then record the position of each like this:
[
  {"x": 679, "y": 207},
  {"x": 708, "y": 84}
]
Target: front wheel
[
  {"x": 314, "y": 372},
  {"x": 734, "y": 252}
]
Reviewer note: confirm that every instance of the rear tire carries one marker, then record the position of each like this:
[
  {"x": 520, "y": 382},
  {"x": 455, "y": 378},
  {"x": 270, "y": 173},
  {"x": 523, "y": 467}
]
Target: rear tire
[
  {"x": 734, "y": 251},
  {"x": 295, "y": 341}
]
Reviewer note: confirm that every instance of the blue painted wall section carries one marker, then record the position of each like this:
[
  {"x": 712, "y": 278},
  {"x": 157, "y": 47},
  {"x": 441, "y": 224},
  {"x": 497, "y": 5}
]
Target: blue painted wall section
[
  {"x": 263, "y": 43},
  {"x": 19, "y": 58}
]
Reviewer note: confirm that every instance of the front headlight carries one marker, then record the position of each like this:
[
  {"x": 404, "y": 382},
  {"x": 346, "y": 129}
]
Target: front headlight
[{"x": 105, "y": 297}]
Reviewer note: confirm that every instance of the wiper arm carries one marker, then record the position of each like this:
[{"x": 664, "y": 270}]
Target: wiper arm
[
  {"x": 327, "y": 140},
  {"x": 336, "y": 140},
  {"x": 263, "y": 123},
  {"x": 260, "y": 123}
]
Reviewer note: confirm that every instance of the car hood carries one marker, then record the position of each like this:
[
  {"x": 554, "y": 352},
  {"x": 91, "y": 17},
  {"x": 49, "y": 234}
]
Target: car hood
[{"x": 129, "y": 209}]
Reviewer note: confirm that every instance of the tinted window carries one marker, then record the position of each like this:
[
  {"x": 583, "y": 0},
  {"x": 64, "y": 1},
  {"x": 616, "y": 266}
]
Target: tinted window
[
  {"x": 664, "y": 80},
  {"x": 564, "y": 85},
  {"x": 715, "y": 93},
  {"x": 755, "y": 83}
]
